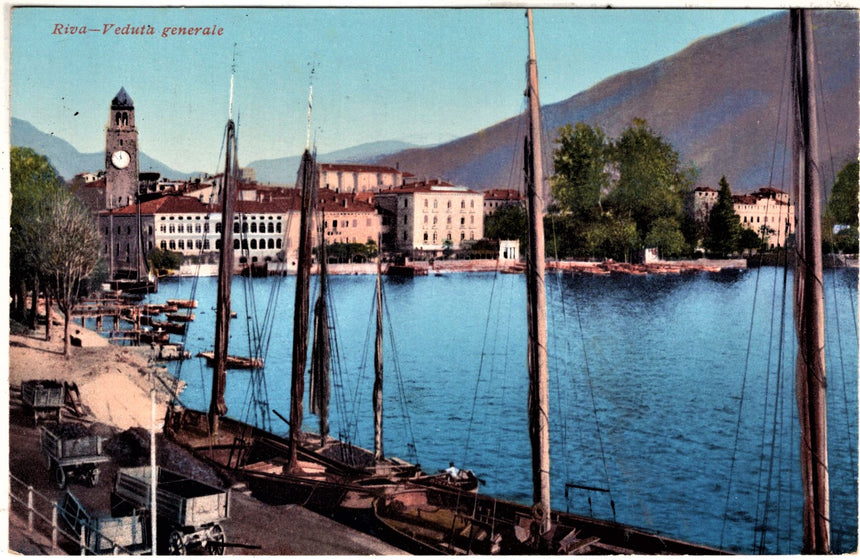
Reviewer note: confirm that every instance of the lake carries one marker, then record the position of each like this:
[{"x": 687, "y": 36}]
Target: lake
[{"x": 671, "y": 394}]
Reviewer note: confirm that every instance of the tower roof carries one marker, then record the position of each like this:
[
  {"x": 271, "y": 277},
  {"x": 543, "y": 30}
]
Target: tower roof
[{"x": 122, "y": 99}]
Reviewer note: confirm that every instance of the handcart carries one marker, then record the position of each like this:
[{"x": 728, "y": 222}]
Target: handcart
[
  {"x": 72, "y": 457},
  {"x": 105, "y": 534},
  {"x": 44, "y": 398},
  {"x": 189, "y": 511}
]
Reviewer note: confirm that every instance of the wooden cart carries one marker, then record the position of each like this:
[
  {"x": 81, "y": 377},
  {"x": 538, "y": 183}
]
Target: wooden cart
[
  {"x": 188, "y": 510},
  {"x": 44, "y": 398},
  {"x": 72, "y": 458},
  {"x": 105, "y": 534}
]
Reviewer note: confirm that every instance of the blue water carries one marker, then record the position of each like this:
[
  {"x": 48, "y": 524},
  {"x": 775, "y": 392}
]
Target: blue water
[{"x": 673, "y": 393}]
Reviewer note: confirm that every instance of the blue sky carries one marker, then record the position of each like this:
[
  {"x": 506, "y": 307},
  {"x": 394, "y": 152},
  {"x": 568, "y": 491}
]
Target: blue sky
[{"x": 418, "y": 75}]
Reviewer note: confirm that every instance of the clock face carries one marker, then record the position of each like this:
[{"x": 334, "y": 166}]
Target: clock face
[{"x": 120, "y": 159}]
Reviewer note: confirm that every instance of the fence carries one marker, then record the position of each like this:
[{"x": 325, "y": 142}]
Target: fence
[{"x": 35, "y": 505}]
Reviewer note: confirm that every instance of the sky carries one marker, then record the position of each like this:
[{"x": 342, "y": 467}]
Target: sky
[{"x": 419, "y": 75}]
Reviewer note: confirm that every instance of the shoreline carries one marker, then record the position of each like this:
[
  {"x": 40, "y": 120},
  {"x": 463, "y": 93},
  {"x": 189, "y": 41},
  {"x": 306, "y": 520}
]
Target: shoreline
[{"x": 440, "y": 266}]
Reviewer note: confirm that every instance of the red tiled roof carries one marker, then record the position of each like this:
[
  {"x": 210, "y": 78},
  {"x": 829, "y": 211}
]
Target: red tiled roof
[
  {"x": 502, "y": 194},
  {"x": 427, "y": 186},
  {"x": 704, "y": 189}
]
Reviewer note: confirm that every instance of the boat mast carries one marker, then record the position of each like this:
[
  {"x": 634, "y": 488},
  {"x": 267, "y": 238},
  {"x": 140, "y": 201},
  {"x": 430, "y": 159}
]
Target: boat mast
[
  {"x": 378, "y": 453},
  {"x": 810, "y": 378},
  {"x": 320, "y": 388},
  {"x": 537, "y": 349},
  {"x": 217, "y": 406},
  {"x": 307, "y": 181}
]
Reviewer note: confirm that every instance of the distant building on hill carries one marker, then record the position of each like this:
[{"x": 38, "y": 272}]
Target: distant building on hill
[
  {"x": 430, "y": 216},
  {"x": 767, "y": 211}
]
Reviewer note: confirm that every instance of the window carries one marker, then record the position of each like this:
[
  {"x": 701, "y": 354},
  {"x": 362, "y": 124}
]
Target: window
[
  {"x": 426, "y": 218},
  {"x": 253, "y": 244},
  {"x": 198, "y": 244},
  {"x": 244, "y": 227},
  {"x": 463, "y": 220},
  {"x": 435, "y": 219},
  {"x": 471, "y": 219},
  {"x": 271, "y": 228},
  {"x": 271, "y": 243},
  {"x": 197, "y": 228},
  {"x": 181, "y": 244},
  {"x": 217, "y": 244},
  {"x": 435, "y": 203},
  {"x": 462, "y": 204},
  {"x": 368, "y": 222},
  {"x": 405, "y": 202},
  {"x": 405, "y": 220},
  {"x": 404, "y": 236},
  {"x": 425, "y": 236},
  {"x": 355, "y": 223},
  {"x": 253, "y": 227},
  {"x": 334, "y": 224},
  {"x": 472, "y": 204},
  {"x": 235, "y": 244},
  {"x": 278, "y": 242},
  {"x": 128, "y": 229},
  {"x": 206, "y": 244},
  {"x": 425, "y": 202},
  {"x": 462, "y": 236},
  {"x": 206, "y": 227},
  {"x": 162, "y": 228},
  {"x": 278, "y": 227},
  {"x": 180, "y": 229},
  {"x": 163, "y": 245},
  {"x": 449, "y": 220},
  {"x": 245, "y": 244},
  {"x": 172, "y": 244},
  {"x": 449, "y": 204}
]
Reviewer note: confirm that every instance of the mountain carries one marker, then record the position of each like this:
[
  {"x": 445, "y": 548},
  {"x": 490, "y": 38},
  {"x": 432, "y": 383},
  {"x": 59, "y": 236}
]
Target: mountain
[
  {"x": 717, "y": 102},
  {"x": 67, "y": 160},
  {"x": 283, "y": 170}
]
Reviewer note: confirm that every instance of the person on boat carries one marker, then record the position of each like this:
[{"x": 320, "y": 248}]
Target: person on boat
[{"x": 452, "y": 471}]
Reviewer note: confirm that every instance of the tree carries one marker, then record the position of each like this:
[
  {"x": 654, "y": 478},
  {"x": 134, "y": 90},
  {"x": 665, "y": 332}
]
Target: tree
[
  {"x": 162, "y": 259},
  {"x": 841, "y": 211},
  {"x": 508, "y": 222},
  {"x": 651, "y": 181},
  {"x": 580, "y": 163},
  {"x": 750, "y": 240},
  {"x": 69, "y": 252},
  {"x": 724, "y": 225},
  {"x": 843, "y": 203},
  {"x": 665, "y": 234},
  {"x": 32, "y": 181}
]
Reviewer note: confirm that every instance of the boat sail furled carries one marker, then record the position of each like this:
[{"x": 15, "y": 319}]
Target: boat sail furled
[{"x": 810, "y": 377}]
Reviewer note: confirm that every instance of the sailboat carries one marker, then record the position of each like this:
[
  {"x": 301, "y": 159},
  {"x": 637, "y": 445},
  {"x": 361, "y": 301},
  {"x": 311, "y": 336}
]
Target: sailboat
[
  {"x": 438, "y": 521},
  {"x": 317, "y": 471}
]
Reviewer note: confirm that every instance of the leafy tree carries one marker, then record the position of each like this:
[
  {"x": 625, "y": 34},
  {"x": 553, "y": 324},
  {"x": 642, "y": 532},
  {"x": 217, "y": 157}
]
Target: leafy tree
[
  {"x": 32, "y": 180},
  {"x": 581, "y": 176},
  {"x": 349, "y": 251},
  {"x": 508, "y": 222},
  {"x": 69, "y": 252},
  {"x": 842, "y": 210},
  {"x": 843, "y": 203},
  {"x": 651, "y": 181},
  {"x": 665, "y": 234},
  {"x": 162, "y": 259},
  {"x": 724, "y": 225},
  {"x": 750, "y": 240}
]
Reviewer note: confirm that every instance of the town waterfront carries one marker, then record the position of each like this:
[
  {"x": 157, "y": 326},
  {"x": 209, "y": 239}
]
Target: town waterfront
[{"x": 672, "y": 392}]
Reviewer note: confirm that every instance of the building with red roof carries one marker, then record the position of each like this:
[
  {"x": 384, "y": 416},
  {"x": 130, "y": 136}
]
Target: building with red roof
[{"x": 430, "y": 216}]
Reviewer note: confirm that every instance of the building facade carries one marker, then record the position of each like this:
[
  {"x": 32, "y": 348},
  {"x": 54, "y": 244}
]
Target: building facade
[
  {"x": 351, "y": 178},
  {"x": 767, "y": 211},
  {"x": 499, "y": 198},
  {"x": 431, "y": 216}
]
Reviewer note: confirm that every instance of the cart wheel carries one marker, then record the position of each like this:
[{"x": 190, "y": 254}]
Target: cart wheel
[
  {"x": 59, "y": 476},
  {"x": 213, "y": 536},
  {"x": 93, "y": 477},
  {"x": 176, "y": 544}
]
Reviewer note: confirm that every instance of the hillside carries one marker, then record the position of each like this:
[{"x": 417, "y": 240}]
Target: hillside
[
  {"x": 717, "y": 102},
  {"x": 67, "y": 160}
]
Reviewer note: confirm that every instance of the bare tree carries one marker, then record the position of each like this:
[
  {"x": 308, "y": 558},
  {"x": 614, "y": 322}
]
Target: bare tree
[{"x": 69, "y": 252}]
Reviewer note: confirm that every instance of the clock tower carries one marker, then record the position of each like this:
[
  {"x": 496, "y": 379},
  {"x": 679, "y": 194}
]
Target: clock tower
[{"x": 121, "y": 157}]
